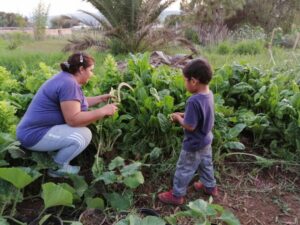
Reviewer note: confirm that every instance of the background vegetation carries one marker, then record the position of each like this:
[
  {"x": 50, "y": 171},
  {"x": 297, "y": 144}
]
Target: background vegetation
[{"x": 257, "y": 101}]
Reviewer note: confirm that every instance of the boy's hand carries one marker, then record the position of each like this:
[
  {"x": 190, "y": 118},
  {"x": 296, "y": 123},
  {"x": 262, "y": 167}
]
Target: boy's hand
[{"x": 177, "y": 116}]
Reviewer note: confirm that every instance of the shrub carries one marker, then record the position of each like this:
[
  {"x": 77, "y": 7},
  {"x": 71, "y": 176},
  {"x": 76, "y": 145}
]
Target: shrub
[
  {"x": 191, "y": 35},
  {"x": 223, "y": 48},
  {"x": 15, "y": 39},
  {"x": 248, "y": 47},
  {"x": 249, "y": 32}
]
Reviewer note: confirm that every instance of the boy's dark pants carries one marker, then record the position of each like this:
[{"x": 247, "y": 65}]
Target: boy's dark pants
[{"x": 190, "y": 162}]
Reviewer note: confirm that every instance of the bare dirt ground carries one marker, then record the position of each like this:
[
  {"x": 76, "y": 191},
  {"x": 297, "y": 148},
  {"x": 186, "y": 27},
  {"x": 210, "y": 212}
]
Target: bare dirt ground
[
  {"x": 264, "y": 197},
  {"x": 256, "y": 196}
]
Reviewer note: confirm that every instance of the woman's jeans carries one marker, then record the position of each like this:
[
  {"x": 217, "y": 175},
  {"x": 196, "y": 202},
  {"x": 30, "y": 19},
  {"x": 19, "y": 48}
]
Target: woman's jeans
[
  {"x": 190, "y": 162},
  {"x": 66, "y": 140}
]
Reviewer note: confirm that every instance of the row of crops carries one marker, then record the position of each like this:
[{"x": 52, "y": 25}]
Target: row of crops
[{"x": 263, "y": 106}]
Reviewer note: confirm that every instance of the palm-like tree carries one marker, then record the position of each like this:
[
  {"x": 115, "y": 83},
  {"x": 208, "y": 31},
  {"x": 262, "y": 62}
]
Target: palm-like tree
[{"x": 126, "y": 22}]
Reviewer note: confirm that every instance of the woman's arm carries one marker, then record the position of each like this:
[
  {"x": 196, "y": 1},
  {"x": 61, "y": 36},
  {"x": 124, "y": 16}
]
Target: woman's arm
[
  {"x": 98, "y": 99},
  {"x": 77, "y": 118}
]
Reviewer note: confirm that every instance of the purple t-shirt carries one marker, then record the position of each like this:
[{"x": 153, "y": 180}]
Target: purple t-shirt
[
  {"x": 44, "y": 111},
  {"x": 199, "y": 114}
]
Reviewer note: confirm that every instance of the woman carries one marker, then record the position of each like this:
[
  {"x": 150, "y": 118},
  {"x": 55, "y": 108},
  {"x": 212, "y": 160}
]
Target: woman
[{"x": 57, "y": 117}]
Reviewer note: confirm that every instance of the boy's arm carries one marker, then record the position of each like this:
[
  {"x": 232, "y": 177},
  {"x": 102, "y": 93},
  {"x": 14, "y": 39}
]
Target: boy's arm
[{"x": 179, "y": 117}]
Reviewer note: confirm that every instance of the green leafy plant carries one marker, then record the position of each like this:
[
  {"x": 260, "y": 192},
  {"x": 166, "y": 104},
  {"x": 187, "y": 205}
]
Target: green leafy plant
[
  {"x": 206, "y": 213},
  {"x": 19, "y": 178},
  {"x": 133, "y": 218},
  {"x": 127, "y": 175}
]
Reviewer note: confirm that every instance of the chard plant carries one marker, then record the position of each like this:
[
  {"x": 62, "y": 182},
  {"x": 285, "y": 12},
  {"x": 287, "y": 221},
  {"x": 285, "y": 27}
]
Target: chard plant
[
  {"x": 134, "y": 218},
  {"x": 129, "y": 176},
  {"x": 19, "y": 178},
  {"x": 204, "y": 213}
]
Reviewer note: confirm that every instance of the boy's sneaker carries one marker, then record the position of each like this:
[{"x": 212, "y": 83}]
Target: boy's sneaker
[
  {"x": 198, "y": 186},
  {"x": 63, "y": 171},
  {"x": 168, "y": 198}
]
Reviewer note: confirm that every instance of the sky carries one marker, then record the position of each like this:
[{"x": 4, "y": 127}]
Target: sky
[{"x": 57, "y": 7}]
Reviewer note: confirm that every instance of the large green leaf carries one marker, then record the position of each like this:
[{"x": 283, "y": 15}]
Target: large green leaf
[
  {"x": 118, "y": 201},
  {"x": 130, "y": 169},
  {"x": 134, "y": 180},
  {"x": 235, "y": 131},
  {"x": 43, "y": 160},
  {"x": 79, "y": 184},
  {"x": 134, "y": 220},
  {"x": 202, "y": 208},
  {"x": 3, "y": 221},
  {"x": 95, "y": 203},
  {"x": 116, "y": 162},
  {"x": 108, "y": 177},
  {"x": 54, "y": 195},
  {"x": 229, "y": 218},
  {"x": 234, "y": 145},
  {"x": 153, "y": 220},
  {"x": 19, "y": 177},
  {"x": 164, "y": 123}
]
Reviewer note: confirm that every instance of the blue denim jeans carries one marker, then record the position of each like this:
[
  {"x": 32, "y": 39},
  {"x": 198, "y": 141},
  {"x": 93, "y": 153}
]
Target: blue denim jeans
[
  {"x": 66, "y": 140},
  {"x": 189, "y": 163}
]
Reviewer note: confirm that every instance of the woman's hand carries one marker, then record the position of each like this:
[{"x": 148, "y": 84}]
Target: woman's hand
[
  {"x": 109, "y": 109},
  {"x": 105, "y": 97}
]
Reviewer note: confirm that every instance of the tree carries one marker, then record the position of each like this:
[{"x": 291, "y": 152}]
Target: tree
[
  {"x": 208, "y": 16},
  {"x": 64, "y": 21},
  {"x": 127, "y": 24},
  {"x": 40, "y": 16},
  {"x": 268, "y": 14},
  {"x": 12, "y": 20}
]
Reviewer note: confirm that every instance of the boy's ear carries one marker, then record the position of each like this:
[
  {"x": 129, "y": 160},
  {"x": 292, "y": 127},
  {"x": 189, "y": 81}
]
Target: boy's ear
[{"x": 194, "y": 81}]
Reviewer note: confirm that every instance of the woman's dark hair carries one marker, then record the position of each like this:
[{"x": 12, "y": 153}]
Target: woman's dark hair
[
  {"x": 75, "y": 61},
  {"x": 199, "y": 69}
]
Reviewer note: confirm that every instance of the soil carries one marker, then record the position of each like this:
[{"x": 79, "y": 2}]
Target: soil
[
  {"x": 254, "y": 195},
  {"x": 265, "y": 197}
]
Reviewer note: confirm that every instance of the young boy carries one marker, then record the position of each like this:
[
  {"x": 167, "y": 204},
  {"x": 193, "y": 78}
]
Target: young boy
[{"x": 197, "y": 121}]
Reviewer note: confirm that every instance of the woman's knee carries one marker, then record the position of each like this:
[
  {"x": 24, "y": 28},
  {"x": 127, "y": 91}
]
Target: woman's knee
[{"x": 87, "y": 135}]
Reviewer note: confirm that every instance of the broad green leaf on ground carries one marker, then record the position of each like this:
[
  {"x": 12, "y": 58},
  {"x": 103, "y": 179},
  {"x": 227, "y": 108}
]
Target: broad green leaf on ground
[
  {"x": 134, "y": 220},
  {"x": 118, "y": 201},
  {"x": 79, "y": 184},
  {"x": 108, "y": 177},
  {"x": 130, "y": 169},
  {"x": 134, "y": 180},
  {"x": 153, "y": 220},
  {"x": 229, "y": 218},
  {"x": 3, "y": 221},
  {"x": 95, "y": 203},
  {"x": 18, "y": 176},
  {"x": 43, "y": 160},
  {"x": 54, "y": 195},
  {"x": 116, "y": 162},
  {"x": 202, "y": 208}
]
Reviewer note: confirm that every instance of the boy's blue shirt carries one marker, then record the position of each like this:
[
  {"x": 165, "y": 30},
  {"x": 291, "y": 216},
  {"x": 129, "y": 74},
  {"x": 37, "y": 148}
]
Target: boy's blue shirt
[{"x": 199, "y": 114}]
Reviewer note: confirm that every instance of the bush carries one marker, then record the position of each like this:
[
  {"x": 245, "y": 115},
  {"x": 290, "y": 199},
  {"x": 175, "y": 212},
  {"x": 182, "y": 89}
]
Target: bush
[
  {"x": 191, "y": 35},
  {"x": 223, "y": 48},
  {"x": 248, "y": 47},
  {"x": 249, "y": 32},
  {"x": 117, "y": 47},
  {"x": 15, "y": 39}
]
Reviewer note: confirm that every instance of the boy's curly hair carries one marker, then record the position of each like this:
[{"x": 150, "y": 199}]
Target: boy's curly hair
[{"x": 198, "y": 69}]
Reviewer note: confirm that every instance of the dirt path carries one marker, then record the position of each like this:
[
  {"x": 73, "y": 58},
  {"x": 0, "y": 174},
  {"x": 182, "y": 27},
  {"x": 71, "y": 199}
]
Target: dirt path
[{"x": 268, "y": 197}]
